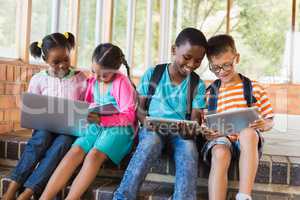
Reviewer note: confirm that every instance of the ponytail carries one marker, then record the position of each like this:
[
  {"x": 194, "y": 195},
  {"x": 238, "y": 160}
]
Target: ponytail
[
  {"x": 35, "y": 50},
  {"x": 70, "y": 39},
  {"x": 124, "y": 62}
]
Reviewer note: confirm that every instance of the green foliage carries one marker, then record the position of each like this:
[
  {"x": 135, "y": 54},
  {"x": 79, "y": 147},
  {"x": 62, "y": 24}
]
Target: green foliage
[
  {"x": 258, "y": 26},
  {"x": 260, "y": 32},
  {"x": 7, "y": 28},
  {"x": 86, "y": 32}
]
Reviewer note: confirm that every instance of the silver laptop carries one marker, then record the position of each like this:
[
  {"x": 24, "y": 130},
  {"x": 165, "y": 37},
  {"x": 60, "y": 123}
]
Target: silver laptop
[
  {"x": 53, "y": 114},
  {"x": 232, "y": 121}
]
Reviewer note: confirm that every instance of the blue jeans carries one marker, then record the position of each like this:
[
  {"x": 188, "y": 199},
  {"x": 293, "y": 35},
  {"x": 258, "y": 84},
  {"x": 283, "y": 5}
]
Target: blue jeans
[
  {"x": 41, "y": 156},
  {"x": 149, "y": 150}
]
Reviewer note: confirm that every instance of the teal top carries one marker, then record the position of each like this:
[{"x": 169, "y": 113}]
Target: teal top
[
  {"x": 169, "y": 100},
  {"x": 105, "y": 98}
]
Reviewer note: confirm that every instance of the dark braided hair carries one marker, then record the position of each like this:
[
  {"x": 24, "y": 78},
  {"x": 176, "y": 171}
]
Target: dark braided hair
[{"x": 110, "y": 56}]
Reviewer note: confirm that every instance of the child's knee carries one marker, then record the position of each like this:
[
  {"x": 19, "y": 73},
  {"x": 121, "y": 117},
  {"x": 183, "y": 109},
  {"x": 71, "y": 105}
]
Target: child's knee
[
  {"x": 95, "y": 154},
  {"x": 221, "y": 154},
  {"x": 76, "y": 151},
  {"x": 249, "y": 136}
]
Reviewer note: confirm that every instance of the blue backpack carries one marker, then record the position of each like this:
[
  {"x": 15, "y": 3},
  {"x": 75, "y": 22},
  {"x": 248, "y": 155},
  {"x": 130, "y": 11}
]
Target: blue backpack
[
  {"x": 213, "y": 91},
  {"x": 154, "y": 81}
]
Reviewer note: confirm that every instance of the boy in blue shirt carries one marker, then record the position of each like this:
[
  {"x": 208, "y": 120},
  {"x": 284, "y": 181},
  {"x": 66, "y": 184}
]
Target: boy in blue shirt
[{"x": 169, "y": 99}]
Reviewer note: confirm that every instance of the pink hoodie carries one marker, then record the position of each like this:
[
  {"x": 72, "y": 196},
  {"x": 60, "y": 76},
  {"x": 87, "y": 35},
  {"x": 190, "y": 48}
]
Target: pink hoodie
[{"x": 125, "y": 96}]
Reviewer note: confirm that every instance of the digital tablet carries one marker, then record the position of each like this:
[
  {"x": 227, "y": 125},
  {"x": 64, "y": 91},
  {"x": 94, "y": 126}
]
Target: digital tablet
[
  {"x": 232, "y": 121},
  {"x": 170, "y": 126},
  {"x": 169, "y": 121},
  {"x": 107, "y": 109}
]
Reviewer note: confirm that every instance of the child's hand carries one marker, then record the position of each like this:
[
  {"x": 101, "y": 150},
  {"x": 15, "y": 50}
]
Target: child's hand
[
  {"x": 186, "y": 131},
  {"x": 210, "y": 134},
  {"x": 151, "y": 126},
  {"x": 262, "y": 124},
  {"x": 93, "y": 118}
]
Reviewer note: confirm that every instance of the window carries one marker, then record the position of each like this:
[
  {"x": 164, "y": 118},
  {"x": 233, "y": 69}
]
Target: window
[
  {"x": 139, "y": 39},
  {"x": 261, "y": 29},
  {"x": 120, "y": 32},
  {"x": 8, "y": 28},
  {"x": 260, "y": 34},
  {"x": 208, "y": 16},
  {"x": 64, "y": 16},
  {"x": 298, "y": 16},
  {"x": 155, "y": 32},
  {"x": 295, "y": 64},
  {"x": 140, "y": 51},
  {"x": 120, "y": 24},
  {"x": 41, "y": 20},
  {"x": 86, "y": 33}
]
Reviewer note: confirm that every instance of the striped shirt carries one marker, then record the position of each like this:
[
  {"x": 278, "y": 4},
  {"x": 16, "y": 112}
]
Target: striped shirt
[
  {"x": 73, "y": 86},
  {"x": 232, "y": 98}
]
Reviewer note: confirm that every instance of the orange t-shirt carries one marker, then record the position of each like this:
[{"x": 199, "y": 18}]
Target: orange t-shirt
[{"x": 232, "y": 98}]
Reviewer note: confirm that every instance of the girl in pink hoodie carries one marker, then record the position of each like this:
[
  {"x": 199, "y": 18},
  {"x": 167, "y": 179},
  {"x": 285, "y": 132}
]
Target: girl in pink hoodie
[{"x": 106, "y": 137}]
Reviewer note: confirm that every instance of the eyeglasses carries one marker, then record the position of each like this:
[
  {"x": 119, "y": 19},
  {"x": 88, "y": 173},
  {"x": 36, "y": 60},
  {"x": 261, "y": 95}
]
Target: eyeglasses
[{"x": 225, "y": 66}]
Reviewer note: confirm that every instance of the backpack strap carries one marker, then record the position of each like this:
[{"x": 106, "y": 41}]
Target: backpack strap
[
  {"x": 213, "y": 91},
  {"x": 192, "y": 91},
  {"x": 248, "y": 90},
  {"x": 154, "y": 81},
  {"x": 156, "y": 77}
]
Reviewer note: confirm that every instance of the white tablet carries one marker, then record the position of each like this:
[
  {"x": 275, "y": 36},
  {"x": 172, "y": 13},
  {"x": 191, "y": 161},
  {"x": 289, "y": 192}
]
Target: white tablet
[
  {"x": 104, "y": 110},
  {"x": 232, "y": 121},
  {"x": 169, "y": 121},
  {"x": 164, "y": 125}
]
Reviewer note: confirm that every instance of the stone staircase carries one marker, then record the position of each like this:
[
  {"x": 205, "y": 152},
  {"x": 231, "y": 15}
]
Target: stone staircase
[{"x": 278, "y": 176}]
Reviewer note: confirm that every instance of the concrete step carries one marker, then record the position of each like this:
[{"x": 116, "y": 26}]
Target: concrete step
[
  {"x": 278, "y": 177},
  {"x": 103, "y": 189},
  {"x": 273, "y": 169}
]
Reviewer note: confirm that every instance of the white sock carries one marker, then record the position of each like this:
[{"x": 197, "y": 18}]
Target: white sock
[{"x": 242, "y": 196}]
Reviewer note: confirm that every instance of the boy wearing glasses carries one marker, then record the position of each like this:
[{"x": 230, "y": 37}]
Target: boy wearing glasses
[{"x": 230, "y": 92}]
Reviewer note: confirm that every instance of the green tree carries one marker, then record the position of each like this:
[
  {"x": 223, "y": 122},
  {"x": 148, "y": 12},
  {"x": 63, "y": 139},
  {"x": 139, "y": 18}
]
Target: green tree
[
  {"x": 260, "y": 33},
  {"x": 7, "y": 28},
  {"x": 86, "y": 36}
]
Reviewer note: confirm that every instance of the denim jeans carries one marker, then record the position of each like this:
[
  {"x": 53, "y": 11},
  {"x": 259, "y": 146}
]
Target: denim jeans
[
  {"x": 149, "y": 150},
  {"x": 41, "y": 156}
]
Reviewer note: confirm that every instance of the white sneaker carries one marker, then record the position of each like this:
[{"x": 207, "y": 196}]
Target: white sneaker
[{"x": 242, "y": 196}]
